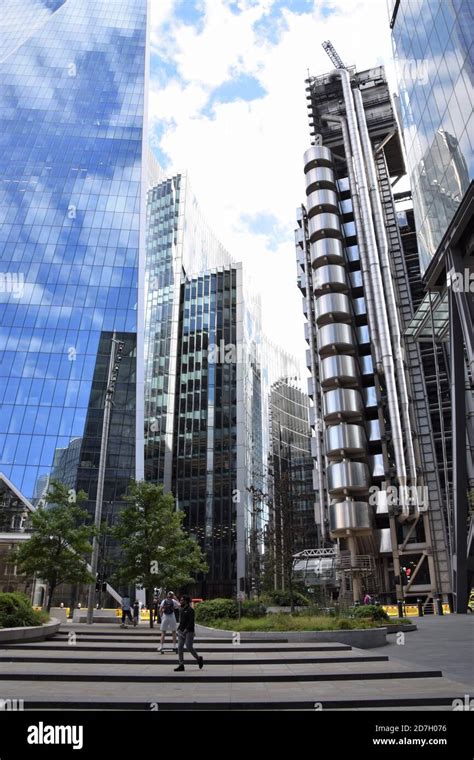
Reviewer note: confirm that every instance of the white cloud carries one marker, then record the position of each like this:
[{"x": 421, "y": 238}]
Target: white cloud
[{"x": 246, "y": 157}]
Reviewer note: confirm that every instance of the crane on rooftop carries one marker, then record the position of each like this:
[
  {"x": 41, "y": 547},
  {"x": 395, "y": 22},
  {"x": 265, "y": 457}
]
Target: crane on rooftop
[{"x": 333, "y": 55}]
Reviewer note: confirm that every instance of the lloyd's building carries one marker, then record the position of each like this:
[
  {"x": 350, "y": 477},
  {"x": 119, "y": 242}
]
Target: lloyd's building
[{"x": 378, "y": 488}]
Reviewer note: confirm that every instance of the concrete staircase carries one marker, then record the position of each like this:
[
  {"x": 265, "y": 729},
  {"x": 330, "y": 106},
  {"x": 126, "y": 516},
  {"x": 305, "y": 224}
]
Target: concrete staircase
[{"x": 103, "y": 668}]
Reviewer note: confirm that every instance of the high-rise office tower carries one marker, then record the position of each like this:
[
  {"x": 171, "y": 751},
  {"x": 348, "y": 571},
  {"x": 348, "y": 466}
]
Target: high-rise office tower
[
  {"x": 432, "y": 44},
  {"x": 377, "y": 483},
  {"x": 203, "y": 432},
  {"x": 72, "y": 237},
  {"x": 290, "y": 525}
]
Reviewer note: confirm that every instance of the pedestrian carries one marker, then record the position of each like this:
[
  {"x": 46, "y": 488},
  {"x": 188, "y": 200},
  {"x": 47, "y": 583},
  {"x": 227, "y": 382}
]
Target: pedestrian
[
  {"x": 168, "y": 620},
  {"x": 136, "y": 613},
  {"x": 186, "y": 633},
  {"x": 156, "y": 609},
  {"x": 126, "y": 612},
  {"x": 367, "y": 599}
]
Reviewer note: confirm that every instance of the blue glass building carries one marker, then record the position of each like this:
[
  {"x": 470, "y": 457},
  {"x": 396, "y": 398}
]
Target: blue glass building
[
  {"x": 432, "y": 43},
  {"x": 72, "y": 233}
]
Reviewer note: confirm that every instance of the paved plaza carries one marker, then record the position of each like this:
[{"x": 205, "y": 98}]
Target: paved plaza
[{"x": 106, "y": 667}]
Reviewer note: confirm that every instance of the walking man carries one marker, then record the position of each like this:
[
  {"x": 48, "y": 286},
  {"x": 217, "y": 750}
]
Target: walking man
[
  {"x": 186, "y": 633},
  {"x": 126, "y": 612}
]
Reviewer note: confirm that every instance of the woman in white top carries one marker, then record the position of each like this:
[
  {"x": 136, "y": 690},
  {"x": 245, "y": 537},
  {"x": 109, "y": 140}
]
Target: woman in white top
[{"x": 168, "y": 619}]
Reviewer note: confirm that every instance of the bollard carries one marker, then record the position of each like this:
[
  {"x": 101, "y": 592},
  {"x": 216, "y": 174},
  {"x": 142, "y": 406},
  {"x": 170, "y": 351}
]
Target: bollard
[
  {"x": 400, "y": 608},
  {"x": 439, "y": 604},
  {"x": 420, "y": 607}
]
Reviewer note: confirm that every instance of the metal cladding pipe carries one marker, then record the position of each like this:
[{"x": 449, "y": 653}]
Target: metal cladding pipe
[
  {"x": 377, "y": 289},
  {"x": 390, "y": 298},
  {"x": 360, "y": 237},
  {"x": 315, "y": 375}
]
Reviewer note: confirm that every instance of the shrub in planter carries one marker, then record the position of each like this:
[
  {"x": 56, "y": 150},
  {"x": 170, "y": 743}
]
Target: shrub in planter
[
  {"x": 371, "y": 611},
  {"x": 282, "y": 599},
  {"x": 343, "y": 624},
  {"x": 253, "y": 608},
  {"x": 216, "y": 609},
  {"x": 17, "y": 612}
]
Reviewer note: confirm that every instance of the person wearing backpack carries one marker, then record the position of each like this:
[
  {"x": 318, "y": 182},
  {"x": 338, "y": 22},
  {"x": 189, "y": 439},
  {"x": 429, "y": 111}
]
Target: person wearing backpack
[
  {"x": 168, "y": 619},
  {"x": 126, "y": 611}
]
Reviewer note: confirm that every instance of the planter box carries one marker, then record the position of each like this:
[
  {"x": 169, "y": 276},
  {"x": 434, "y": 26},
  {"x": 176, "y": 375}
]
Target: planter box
[
  {"x": 31, "y": 633},
  {"x": 401, "y": 628},
  {"x": 362, "y": 638}
]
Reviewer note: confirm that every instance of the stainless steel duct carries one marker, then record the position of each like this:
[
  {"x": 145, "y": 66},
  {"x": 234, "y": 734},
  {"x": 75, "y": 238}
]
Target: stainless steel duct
[
  {"x": 327, "y": 251},
  {"x": 339, "y": 370},
  {"x": 350, "y": 516},
  {"x": 330, "y": 277},
  {"x": 364, "y": 263},
  {"x": 320, "y": 177},
  {"x": 345, "y": 440},
  {"x": 321, "y": 200},
  {"x": 390, "y": 298},
  {"x": 309, "y": 305},
  {"x": 336, "y": 339},
  {"x": 377, "y": 287},
  {"x": 333, "y": 307},
  {"x": 342, "y": 404},
  {"x": 324, "y": 225},
  {"x": 347, "y": 478}
]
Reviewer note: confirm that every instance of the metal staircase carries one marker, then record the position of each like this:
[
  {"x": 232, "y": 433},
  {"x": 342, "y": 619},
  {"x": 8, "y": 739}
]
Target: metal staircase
[{"x": 434, "y": 517}]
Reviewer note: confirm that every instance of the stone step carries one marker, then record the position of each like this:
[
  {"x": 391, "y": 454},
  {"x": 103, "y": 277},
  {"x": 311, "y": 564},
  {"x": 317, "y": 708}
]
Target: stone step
[
  {"x": 152, "y": 647},
  {"x": 255, "y": 673},
  {"x": 379, "y": 694},
  {"x": 164, "y": 660}
]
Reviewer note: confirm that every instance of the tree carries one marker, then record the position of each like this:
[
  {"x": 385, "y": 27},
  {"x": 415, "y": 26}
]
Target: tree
[
  {"x": 154, "y": 546},
  {"x": 60, "y": 537}
]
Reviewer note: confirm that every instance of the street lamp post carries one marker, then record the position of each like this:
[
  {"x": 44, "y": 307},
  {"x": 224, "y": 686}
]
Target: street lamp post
[{"x": 116, "y": 351}]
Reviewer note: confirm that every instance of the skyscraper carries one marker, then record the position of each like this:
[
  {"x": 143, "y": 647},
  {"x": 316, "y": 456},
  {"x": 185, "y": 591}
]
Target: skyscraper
[
  {"x": 291, "y": 523},
  {"x": 433, "y": 50},
  {"x": 203, "y": 431},
  {"x": 434, "y": 61},
  {"x": 73, "y": 77},
  {"x": 379, "y": 495}
]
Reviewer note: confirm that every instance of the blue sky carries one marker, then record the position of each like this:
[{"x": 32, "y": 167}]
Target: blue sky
[{"x": 228, "y": 104}]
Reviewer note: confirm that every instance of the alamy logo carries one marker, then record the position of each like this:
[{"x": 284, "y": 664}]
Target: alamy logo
[
  {"x": 42, "y": 734},
  {"x": 466, "y": 704},
  {"x": 12, "y": 705},
  {"x": 460, "y": 282}
]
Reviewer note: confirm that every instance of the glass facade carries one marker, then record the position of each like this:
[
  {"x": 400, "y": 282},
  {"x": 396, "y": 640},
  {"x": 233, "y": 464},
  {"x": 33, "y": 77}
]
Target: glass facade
[
  {"x": 72, "y": 102},
  {"x": 205, "y": 444},
  {"x": 178, "y": 242},
  {"x": 432, "y": 41},
  {"x": 203, "y": 397},
  {"x": 291, "y": 516}
]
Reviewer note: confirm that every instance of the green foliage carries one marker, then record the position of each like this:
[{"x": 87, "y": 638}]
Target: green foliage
[
  {"x": 217, "y": 609},
  {"x": 252, "y": 608},
  {"x": 155, "y": 550},
  {"x": 343, "y": 624},
  {"x": 60, "y": 540},
  {"x": 370, "y": 611},
  {"x": 285, "y": 622},
  {"x": 17, "y": 612},
  {"x": 280, "y": 598}
]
